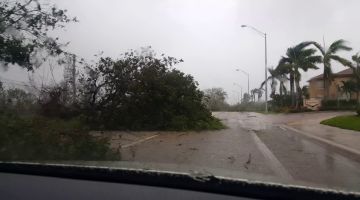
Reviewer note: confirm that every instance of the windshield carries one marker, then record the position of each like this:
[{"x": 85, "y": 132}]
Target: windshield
[{"x": 259, "y": 90}]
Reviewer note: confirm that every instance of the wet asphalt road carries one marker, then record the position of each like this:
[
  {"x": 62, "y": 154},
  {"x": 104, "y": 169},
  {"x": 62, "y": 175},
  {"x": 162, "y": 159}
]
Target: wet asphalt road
[{"x": 255, "y": 147}]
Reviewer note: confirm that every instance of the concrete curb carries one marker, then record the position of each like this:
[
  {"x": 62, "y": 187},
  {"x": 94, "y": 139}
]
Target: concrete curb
[{"x": 340, "y": 146}]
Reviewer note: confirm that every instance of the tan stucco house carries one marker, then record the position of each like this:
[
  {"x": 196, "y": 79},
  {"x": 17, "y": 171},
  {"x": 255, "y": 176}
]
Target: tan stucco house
[{"x": 316, "y": 88}]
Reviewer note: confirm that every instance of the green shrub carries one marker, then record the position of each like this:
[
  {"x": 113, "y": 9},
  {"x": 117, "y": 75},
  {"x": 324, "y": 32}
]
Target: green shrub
[
  {"x": 358, "y": 110},
  {"x": 179, "y": 123},
  {"x": 279, "y": 101},
  {"x": 211, "y": 124},
  {"x": 248, "y": 107},
  {"x": 215, "y": 124},
  {"x": 17, "y": 101},
  {"x": 56, "y": 102},
  {"x": 39, "y": 138},
  {"x": 182, "y": 123},
  {"x": 338, "y": 105},
  {"x": 293, "y": 110}
]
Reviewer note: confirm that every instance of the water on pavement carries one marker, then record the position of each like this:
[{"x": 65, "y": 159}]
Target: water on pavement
[{"x": 254, "y": 146}]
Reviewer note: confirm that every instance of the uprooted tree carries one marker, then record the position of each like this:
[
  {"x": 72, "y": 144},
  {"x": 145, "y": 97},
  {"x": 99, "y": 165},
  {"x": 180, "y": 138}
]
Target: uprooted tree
[{"x": 141, "y": 91}]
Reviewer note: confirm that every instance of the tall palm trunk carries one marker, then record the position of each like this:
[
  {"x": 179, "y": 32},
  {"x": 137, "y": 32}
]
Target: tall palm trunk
[
  {"x": 298, "y": 96},
  {"x": 358, "y": 91},
  {"x": 326, "y": 79},
  {"x": 292, "y": 93},
  {"x": 325, "y": 86},
  {"x": 281, "y": 93},
  {"x": 358, "y": 84},
  {"x": 298, "y": 92}
]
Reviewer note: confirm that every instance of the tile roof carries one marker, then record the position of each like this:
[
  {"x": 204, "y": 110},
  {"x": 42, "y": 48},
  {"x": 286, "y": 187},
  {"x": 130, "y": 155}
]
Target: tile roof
[{"x": 345, "y": 72}]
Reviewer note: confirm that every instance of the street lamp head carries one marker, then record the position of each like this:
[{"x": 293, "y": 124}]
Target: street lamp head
[{"x": 243, "y": 26}]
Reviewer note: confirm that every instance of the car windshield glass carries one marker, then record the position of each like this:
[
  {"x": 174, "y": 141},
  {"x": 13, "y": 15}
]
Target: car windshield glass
[{"x": 250, "y": 89}]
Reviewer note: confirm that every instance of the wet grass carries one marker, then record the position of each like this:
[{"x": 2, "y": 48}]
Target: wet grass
[{"x": 351, "y": 122}]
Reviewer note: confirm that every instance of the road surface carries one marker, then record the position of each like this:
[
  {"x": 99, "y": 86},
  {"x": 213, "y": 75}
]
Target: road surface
[{"x": 255, "y": 147}]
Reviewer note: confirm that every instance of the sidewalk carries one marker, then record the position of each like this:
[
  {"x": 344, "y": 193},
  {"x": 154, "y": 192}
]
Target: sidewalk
[{"x": 346, "y": 138}]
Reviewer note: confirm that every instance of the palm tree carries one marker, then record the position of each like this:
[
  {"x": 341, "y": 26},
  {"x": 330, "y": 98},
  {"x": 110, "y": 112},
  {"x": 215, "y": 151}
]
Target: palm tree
[
  {"x": 276, "y": 75},
  {"x": 305, "y": 91},
  {"x": 273, "y": 82},
  {"x": 258, "y": 92},
  {"x": 281, "y": 76},
  {"x": 284, "y": 67},
  {"x": 329, "y": 55},
  {"x": 298, "y": 58},
  {"x": 252, "y": 92},
  {"x": 347, "y": 88}
]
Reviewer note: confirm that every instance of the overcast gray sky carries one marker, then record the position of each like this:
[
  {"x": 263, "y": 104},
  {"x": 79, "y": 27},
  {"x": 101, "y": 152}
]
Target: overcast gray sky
[{"x": 207, "y": 33}]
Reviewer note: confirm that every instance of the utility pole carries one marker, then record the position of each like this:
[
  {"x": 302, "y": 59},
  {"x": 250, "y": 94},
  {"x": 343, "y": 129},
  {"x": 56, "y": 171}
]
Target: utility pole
[
  {"x": 70, "y": 75},
  {"x": 73, "y": 77},
  {"x": 266, "y": 85}
]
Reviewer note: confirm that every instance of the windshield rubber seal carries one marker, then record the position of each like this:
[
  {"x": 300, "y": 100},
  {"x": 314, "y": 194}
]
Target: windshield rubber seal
[{"x": 187, "y": 181}]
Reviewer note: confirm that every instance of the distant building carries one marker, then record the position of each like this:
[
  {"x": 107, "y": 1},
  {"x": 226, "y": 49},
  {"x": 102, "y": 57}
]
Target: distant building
[{"x": 316, "y": 88}]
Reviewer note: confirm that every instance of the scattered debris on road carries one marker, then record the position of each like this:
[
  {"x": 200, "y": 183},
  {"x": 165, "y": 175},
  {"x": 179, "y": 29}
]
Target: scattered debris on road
[
  {"x": 231, "y": 159},
  {"x": 246, "y": 165}
]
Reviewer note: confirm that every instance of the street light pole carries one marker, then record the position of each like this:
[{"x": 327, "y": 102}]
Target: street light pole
[
  {"x": 241, "y": 91},
  {"x": 238, "y": 96},
  {"x": 248, "y": 77},
  {"x": 266, "y": 85},
  {"x": 265, "y": 37}
]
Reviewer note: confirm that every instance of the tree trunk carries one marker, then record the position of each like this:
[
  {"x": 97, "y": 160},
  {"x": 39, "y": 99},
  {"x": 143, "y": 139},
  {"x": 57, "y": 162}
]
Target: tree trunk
[
  {"x": 326, "y": 79},
  {"x": 326, "y": 88},
  {"x": 358, "y": 89},
  {"x": 298, "y": 94},
  {"x": 358, "y": 84},
  {"x": 281, "y": 94},
  {"x": 292, "y": 93}
]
